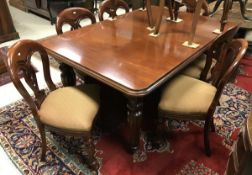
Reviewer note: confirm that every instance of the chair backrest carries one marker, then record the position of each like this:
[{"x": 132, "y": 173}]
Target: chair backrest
[
  {"x": 228, "y": 60},
  {"x": 191, "y": 6},
  {"x": 19, "y": 60},
  {"x": 110, "y": 7},
  {"x": 73, "y": 16},
  {"x": 215, "y": 49},
  {"x": 226, "y": 37}
]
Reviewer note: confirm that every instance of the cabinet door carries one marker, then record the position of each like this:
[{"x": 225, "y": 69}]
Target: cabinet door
[
  {"x": 7, "y": 29},
  {"x": 89, "y": 4},
  {"x": 56, "y": 7}
]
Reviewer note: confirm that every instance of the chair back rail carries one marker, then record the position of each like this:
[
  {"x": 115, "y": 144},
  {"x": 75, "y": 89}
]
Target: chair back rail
[
  {"x": 19, "y": 59},
  {"x": 110, "y": 7},
  {"x": 215, "y": 49},
  {"x": 73, "y": 16}
]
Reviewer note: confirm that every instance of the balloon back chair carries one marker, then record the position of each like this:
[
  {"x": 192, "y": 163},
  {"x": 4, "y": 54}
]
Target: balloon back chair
[
  {"x": 187, "y": 98},
  {"x": 67, "y": 110},
  {"x": 202, "y": 66},
  {"x": 109, "y": 7},
  {"x": 73, "y": 17}
]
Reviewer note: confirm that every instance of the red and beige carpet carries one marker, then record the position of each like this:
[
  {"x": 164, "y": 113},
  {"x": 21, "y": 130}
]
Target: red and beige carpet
[
  {"x": 182, "y": 154},
  {"x": 244, "y": 79}
]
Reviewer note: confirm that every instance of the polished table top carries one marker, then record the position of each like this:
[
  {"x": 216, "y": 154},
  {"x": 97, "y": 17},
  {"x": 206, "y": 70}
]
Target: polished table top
[{"x": 121, "y": 54}]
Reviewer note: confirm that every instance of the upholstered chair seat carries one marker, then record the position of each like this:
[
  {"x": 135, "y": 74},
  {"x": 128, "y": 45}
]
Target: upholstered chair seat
[
  {"x": 71, "y": 109},
  {"x": 184, "y": 94}
]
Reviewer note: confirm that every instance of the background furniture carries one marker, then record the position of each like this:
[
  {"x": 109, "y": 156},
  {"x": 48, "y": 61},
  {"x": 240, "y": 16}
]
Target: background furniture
[
  {"x": 3, "y": 51},
  {"x": 39, "y": 7},
  {"x": 235, "y": 16},
  {"x": 20, "y": 4},
  {"x": 242, "y": 7},
  {"x": 7, "y": 29},
  {"x": 51, "y": 8}
]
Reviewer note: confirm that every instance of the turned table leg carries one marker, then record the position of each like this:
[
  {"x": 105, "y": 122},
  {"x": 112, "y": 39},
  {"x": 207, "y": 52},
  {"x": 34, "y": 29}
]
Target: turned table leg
[
  {"x": 67, "y": 75},
  {"x": 134, "y": 114}
]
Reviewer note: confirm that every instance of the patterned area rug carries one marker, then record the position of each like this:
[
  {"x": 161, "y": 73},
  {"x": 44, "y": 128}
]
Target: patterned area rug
[
  {"x": 182, "y": 154},
  {"x": 244, "y": 78}
]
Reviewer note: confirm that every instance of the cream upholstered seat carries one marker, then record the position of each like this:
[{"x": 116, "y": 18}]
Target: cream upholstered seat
[
  {"x": 184, "y": 94},
  {"x": 68, "y": 110},
  {"x": 186, "y": 98}
]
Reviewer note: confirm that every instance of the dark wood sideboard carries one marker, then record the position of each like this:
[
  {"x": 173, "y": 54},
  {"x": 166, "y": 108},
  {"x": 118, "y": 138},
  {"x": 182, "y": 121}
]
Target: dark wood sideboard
[
  {"x": 7, "y": 29},
  {"x": 50, "y": 8},
  {"x": 18, "y": 4}
]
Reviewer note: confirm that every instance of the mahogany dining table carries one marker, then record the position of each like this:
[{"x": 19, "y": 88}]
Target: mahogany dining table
[{"x": 121, "y": 54}]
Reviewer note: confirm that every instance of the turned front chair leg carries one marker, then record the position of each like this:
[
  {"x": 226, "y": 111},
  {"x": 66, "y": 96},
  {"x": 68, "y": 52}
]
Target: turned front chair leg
[
  {"x": 134, "y": 114},
  {"x": 43, "y": 141},
  {"x": 206, "y": 138}
]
